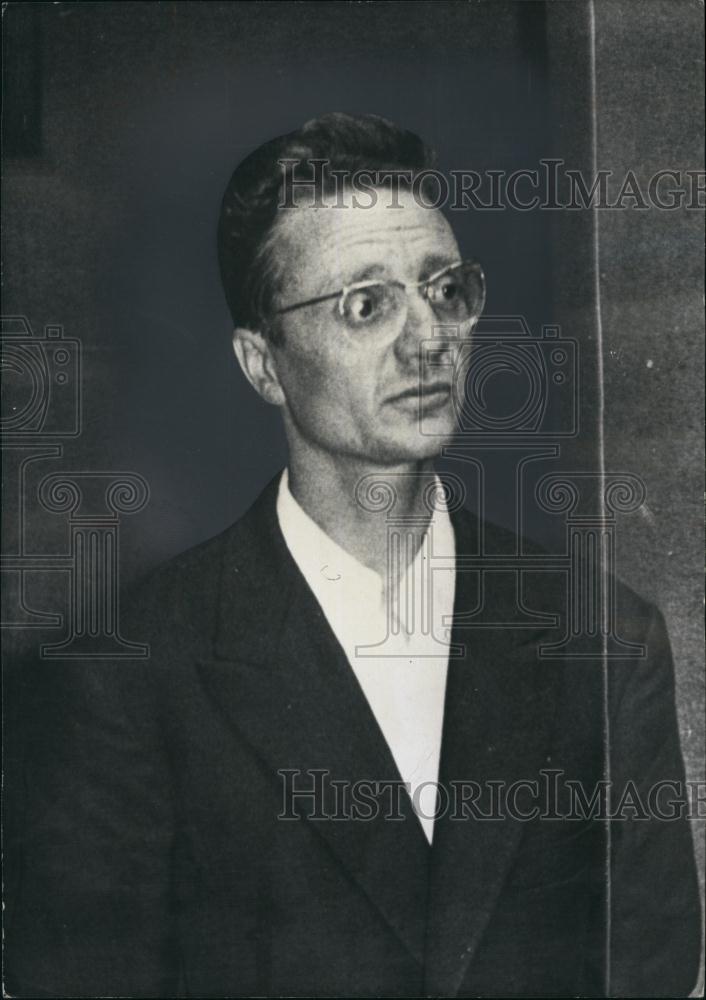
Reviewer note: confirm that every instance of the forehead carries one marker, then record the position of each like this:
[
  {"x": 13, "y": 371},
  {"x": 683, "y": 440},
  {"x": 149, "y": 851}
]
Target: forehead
[{"x": 345, "y": 234}]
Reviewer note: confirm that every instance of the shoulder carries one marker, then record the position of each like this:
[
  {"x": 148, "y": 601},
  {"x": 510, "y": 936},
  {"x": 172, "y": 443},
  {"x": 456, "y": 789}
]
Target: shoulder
[
  {"x": 178, "y": 594},
  {"x": 181, "y": 599},
  {"x": 550, "y": 586}
]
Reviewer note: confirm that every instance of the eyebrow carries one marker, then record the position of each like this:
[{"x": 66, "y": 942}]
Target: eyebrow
[
  {"x": 370, "y": 271},
  {"x": 438, "y": 261},
  {"x": 376, "y": 270}
]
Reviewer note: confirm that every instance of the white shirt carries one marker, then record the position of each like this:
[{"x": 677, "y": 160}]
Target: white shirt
[{"x": 397, "y": 648}]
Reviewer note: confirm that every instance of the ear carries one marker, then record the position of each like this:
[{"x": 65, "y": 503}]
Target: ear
[{"x": 254, "y": 354}]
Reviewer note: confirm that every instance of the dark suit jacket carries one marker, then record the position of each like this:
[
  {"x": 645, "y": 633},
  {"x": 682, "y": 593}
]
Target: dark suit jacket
[{"x": 155, "y": 864}]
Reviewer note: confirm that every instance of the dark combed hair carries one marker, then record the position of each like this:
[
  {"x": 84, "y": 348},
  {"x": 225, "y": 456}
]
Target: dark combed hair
[{"x": 348, "y": 143}]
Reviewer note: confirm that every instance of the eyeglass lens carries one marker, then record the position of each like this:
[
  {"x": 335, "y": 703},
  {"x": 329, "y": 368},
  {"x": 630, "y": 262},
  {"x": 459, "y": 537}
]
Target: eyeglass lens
[{"x": 456, "y": 296}]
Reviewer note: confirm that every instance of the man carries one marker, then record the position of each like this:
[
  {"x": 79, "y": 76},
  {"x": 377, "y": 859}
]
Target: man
[{"x": 249, "y": 813}]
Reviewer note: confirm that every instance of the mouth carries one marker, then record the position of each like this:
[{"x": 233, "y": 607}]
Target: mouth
[{"x": 436, "y": 392}]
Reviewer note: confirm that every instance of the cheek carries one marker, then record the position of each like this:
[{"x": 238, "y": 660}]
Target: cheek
[
  {"x": 318, "y": 375},
  {"x": 317, "y": 390}
]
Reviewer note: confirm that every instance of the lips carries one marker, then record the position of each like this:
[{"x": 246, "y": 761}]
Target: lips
[{"x": 436, "y": 390}]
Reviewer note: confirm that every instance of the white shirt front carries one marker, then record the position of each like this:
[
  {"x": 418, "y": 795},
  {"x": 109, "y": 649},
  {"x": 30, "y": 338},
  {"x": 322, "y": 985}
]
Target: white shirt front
[{"x": 398, "y": 648}]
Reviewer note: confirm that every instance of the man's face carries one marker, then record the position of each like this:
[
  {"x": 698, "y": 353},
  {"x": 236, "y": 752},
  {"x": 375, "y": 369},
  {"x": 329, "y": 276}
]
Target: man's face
[{"x": 358, "y": 392}]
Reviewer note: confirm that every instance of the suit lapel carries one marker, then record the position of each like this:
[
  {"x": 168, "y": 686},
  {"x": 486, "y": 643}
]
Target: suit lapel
[
  {"x": 283, "y": 682},
  {"x": 497, "y": 724}
]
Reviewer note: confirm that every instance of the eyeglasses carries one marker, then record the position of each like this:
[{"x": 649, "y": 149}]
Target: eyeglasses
[{"x": 456, "y": 294}]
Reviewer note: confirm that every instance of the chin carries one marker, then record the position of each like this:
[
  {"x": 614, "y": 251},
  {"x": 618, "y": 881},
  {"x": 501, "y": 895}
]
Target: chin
[{"x": 413, "y": 446}]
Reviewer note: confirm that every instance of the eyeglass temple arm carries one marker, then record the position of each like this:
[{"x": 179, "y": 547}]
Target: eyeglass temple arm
[{"x": 308, "y": 302}]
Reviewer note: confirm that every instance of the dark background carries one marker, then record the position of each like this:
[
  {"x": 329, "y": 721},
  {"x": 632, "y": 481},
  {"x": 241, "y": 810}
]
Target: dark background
[
  {"x": 122, "y": 124},
  {"x": 145, "y": 111}
]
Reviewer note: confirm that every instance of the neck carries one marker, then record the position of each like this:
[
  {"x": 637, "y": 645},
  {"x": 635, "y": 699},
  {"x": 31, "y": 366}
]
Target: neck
[{"x": 327, "y": 488}]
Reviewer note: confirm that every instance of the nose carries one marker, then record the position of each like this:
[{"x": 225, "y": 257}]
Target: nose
[{"x": 419, "y": 323}]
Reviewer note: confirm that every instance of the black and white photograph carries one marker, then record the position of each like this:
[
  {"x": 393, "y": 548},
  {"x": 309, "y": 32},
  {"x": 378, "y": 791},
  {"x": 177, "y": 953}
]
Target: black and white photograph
[{"x": 353, "y": 498}]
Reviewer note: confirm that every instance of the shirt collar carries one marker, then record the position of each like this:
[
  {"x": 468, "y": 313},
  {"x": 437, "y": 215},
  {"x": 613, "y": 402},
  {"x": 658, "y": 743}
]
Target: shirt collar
[
  {"x": 322, "y": 560},
  {"x": 318, "y": 556}
]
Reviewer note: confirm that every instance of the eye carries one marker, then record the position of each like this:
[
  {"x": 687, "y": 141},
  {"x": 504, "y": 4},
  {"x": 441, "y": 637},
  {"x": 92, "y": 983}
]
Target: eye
[
  {"x": 362, "y": 306},
  {"x": 446, "y": 290}
]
